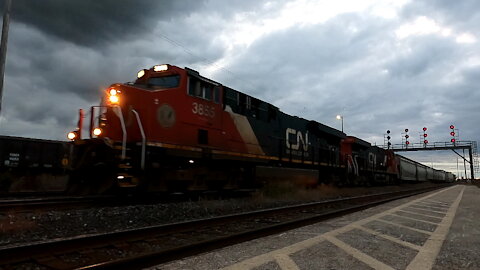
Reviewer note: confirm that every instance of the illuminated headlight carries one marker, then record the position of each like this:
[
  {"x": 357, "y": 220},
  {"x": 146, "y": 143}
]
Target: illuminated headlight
[
  {"x": 113, "y": 92},
  {"x": 120, "y": 177},
  {"x": 72, "y": 135},
  {"x": 97, "y": 131},
  {"x": 160, "y": 68},
  {"x": 113, "y": 99},
  {"x": 141, "y": 73}
]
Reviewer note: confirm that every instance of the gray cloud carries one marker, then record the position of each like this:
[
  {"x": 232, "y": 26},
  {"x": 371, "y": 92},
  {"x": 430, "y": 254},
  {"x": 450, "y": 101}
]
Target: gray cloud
[{"x": 90, "y": 22}]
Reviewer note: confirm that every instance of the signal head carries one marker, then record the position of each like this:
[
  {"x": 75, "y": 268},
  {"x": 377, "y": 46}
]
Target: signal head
[
  {"x": 452, "y": 127},
  {"x": 407, "y": 142},
  {"x": 425, "y": 135},
  {"x": 406, "y": 136},
  {"x": 452, "y": 140},
  {"x": 425, "y": 141},
  {"x": 388, "y": 137},
  {"x": 424, "y": 129},
  {"x": 452, "y": 133},
  {"x": 388, "y": 131},
  {"x": 406, "y": 130}
]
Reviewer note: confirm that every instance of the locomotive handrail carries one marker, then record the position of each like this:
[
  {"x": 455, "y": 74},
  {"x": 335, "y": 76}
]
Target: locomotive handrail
[
  {"x": 144, "y": 139},
  {"x": 124, "y": 131}
]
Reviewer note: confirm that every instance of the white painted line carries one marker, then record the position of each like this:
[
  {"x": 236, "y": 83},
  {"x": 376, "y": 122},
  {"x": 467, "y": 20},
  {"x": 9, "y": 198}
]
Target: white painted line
[
  {"x": 429, "y": 252},
  {"x": 357, "y": 254},
  {"x": 271, "y": 256},
  {"x": 404, "y": 210},
  {"x": 443, "y": 207},
  {"x": 390, "y": 238},
  {"x": 437, "y": 202},
  {"x": 435, "y": 208},
  {"x": 430, "y": 209},
  {"x": 405, "y": 227},
  {"x": 285, "y": 262},
  {"x": 415, "y": 219}
]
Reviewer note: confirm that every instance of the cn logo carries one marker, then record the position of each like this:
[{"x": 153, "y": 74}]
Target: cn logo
[{"x": 297, "y": 138}]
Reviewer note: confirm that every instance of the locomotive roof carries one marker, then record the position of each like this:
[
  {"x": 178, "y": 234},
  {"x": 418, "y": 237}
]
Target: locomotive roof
[
  {"x": 360, "y": 141},
  {"x": 314, "y": 126}
]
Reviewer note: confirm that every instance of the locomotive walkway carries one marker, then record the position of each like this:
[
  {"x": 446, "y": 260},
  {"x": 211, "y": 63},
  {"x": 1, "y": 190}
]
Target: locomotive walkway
[{"x": 439, "y": 230}]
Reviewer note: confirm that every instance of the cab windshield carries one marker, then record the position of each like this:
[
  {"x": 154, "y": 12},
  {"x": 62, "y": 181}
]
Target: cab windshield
[{"x": 164, "y": 82}]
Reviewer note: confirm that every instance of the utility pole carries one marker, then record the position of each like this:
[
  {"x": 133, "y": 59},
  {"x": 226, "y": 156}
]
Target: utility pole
[{"x": 3, "y": 46}]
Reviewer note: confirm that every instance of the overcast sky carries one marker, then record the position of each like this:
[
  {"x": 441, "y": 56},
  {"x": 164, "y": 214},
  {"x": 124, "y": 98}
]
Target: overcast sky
[{"x": 382, "y": 64}]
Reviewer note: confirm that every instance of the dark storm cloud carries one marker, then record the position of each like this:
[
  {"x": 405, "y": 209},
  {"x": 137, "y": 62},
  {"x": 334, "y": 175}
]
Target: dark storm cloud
[{"x": 91, "y": 22}]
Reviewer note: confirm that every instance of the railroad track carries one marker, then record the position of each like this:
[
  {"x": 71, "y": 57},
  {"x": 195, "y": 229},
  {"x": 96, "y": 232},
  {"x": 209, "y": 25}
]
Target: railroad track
[
  {"x": 50, "y": 202},
  {"x": 143, "y": 247}
]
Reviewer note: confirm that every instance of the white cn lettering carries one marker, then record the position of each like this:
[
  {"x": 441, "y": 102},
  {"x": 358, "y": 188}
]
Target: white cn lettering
[{"x": 299, "y": 139}]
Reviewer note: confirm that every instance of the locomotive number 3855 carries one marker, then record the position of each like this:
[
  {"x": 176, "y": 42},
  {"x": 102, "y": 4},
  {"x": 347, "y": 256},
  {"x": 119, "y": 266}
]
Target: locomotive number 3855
[{"x": 202, "y": 109}]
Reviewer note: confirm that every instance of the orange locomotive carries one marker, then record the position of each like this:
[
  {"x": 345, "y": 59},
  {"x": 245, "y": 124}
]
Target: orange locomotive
[{"x": 174, "y": 130}]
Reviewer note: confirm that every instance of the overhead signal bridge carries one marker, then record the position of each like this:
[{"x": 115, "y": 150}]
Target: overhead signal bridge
[{"x": 470, "y": 145}]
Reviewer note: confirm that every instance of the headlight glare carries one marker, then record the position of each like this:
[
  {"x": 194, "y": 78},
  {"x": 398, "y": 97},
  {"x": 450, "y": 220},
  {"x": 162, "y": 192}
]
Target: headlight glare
[
  {"x": 97, "y": 131},
  {"x": 113, "y": 99},
  {"x": 72, "y": 135},
  {"x": 160, "y": 68},
  {"x": 141, "y": 73}
]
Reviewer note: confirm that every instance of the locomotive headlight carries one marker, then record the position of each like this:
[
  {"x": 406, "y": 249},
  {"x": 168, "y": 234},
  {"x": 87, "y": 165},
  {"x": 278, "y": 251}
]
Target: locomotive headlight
[
  {"x": 160, "y": 68},
  {"x": 72, "y": 135},
  {"x": 114, "y": 99},
  {"x": 97, "y": 131},
  {"x": 113, "y": 92},
  {"x": 141, "y": 73}
]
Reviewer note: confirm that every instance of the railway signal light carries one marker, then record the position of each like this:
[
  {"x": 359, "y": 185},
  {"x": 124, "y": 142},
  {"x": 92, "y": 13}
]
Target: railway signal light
[
  {"x": 425, "y": 135},
  {"x": 406, "y": 137},
  {"x": 425, "y": 141},
  {"x": 388, "y": 139},
  {"x": 452, "y": 133},
  {"x": 424, "y": 129}
]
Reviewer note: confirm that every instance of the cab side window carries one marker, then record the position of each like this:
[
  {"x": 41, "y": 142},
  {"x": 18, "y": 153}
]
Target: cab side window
[{"x": 204, "y": 90}]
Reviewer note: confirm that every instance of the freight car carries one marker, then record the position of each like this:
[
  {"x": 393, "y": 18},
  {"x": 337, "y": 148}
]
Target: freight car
[
  {"x": 33, "y": 165},
  {"x": 174, "y": 130},
  {"x": 410, "y": 170}
]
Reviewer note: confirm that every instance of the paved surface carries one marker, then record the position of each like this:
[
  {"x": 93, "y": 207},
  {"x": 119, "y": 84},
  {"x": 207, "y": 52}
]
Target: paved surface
[{"x": 438, "y": 230}]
